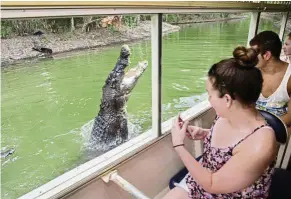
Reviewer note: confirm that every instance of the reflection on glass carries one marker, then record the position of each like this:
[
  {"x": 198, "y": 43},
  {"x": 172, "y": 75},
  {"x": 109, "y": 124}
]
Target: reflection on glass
[{"x": 187, "y": 56}]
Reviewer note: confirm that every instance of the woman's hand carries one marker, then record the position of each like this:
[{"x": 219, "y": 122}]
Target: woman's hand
[
  {"x": 178, "y": 133},
  {"x": 196, "y": 133}
]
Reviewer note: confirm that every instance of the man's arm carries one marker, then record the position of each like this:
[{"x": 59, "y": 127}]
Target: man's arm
[{"x": 287, "y": 117}]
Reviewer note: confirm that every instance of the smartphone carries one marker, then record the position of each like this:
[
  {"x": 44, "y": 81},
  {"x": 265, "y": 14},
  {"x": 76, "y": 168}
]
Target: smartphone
[{"x": 181, "y": 122}]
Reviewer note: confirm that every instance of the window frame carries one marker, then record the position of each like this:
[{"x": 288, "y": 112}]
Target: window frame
[{"x": 74, "y": 178}]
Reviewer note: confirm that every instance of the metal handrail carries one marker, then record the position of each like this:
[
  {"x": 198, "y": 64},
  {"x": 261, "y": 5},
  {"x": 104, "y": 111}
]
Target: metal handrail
[{"x": 121, "y": 182}]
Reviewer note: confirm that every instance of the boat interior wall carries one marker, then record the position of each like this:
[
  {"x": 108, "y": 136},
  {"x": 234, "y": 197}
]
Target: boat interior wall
[{"x": 149, "y": 171}]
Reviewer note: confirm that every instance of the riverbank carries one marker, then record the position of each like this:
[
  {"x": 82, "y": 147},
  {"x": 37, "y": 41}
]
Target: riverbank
[
  {"x": 18, "y": 49},
  {"x": 277, "y": 20}
]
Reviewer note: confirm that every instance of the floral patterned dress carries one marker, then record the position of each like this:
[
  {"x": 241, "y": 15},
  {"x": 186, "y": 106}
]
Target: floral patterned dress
[{"x": 213, "y": 159}]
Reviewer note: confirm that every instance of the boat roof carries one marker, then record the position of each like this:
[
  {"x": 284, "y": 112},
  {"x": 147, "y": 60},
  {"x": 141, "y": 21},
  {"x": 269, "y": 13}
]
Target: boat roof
[{"x": 35, "y": 9}]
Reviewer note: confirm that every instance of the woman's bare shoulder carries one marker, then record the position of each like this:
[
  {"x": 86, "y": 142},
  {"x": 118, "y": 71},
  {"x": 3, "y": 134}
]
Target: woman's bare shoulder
[{"x": 261, "y": 143}]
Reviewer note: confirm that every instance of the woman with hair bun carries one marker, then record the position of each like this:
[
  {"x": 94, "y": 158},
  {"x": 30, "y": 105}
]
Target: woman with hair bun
[{"x": 240, "y": 148}]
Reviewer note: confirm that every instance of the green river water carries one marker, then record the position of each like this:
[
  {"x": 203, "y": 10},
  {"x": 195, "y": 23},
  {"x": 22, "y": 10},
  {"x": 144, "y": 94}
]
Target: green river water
[{"x": 46, "y": 104}]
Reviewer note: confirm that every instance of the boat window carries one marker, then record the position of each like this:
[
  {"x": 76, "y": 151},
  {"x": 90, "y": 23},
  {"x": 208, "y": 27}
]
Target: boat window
[
  {"x": 53, "y": 77},
  {"x": 189, "y": 53},
  {"x": 49, "y": 104},
  {"x": 271, "y": 21}
]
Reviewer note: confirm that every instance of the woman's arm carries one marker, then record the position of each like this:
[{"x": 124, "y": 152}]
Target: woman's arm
[
  {"x": 287, "y": 117},
  {"x": 243, "y": 169},
  {"x": 197, "y": 133}
]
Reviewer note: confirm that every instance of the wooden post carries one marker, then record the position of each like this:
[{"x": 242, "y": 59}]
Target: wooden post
[
  {"x": 137, "y": 20},
  {"x": 72, "y": 24}
]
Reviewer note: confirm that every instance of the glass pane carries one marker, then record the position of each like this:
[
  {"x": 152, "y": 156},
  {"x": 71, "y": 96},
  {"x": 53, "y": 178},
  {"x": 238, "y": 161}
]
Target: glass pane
[
  {"x": 49, "y": 105},
  {"x": 189, "y": 53},
  {"x": 270, "y": 21}
]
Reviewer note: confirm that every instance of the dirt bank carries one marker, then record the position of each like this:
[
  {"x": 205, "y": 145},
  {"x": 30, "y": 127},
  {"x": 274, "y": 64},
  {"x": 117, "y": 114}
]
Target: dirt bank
[{"x": 18, "y": 49}]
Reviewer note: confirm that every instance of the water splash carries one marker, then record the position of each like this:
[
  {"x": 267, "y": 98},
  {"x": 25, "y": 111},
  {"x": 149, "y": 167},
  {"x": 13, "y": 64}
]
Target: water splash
[{"x": 98, "y": 147}]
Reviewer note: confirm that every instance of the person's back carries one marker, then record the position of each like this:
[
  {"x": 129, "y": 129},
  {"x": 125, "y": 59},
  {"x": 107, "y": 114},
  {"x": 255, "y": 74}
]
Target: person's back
[{"x": 275, "y": 95}]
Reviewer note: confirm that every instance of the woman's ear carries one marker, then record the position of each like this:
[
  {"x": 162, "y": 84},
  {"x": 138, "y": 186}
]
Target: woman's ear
[{"x": 228, "y": 100}]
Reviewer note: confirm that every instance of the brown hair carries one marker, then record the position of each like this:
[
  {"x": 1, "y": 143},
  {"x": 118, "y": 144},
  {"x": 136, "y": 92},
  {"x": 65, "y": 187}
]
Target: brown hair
[
  {"x": 268, "y": 41},
  {"x": 238, "y": 76}
]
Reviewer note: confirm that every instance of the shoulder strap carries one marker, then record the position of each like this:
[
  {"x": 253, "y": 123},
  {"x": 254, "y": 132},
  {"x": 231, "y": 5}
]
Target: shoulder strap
[
  {"x": 251, "y": 134},
  {"x": 211, "y": 129}
]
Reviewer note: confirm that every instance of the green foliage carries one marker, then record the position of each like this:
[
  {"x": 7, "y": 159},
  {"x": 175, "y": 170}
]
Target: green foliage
[
  {"x": 130, "y": 20},
  {"x": 6, "y": 29},
  {"x": 58, "y": 25},
  {"x": 10, "y": 28},
  {"x": 111, "y": 28},
  {"x": 176, "y": 18},
  {"x": 172, "y": 18}
]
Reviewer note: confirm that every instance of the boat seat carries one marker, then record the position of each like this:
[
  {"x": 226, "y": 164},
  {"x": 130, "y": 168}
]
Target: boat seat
[
  {"x": 278, "y": 126},
  {"x": 280, "y": 187},
  {"x": 179, "y": 176}
]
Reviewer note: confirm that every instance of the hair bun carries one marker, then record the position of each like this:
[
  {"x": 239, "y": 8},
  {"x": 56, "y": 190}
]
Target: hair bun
[{"x": 245, "y": 57}]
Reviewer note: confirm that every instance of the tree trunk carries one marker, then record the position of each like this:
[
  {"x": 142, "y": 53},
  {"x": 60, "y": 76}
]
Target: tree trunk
[
  {"x": 86, "y": 22},
  {"x": 72, "y": 24},
  {"x": 166, "y": 17},
  {"x": 137, "y": 19}
]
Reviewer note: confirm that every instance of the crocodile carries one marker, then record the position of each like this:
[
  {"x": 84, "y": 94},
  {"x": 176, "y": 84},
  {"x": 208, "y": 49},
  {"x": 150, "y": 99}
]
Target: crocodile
[
  {"x": 8, "y": 152},
  {"x": 110, "y": 125},
  {"x": 38, "y": 41}
]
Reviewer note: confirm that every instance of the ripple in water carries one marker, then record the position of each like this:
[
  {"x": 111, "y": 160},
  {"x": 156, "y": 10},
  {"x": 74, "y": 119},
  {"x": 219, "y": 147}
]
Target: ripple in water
[
  {"x": 187, "y": 102},
  {"x": 180, "y": 87}
]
